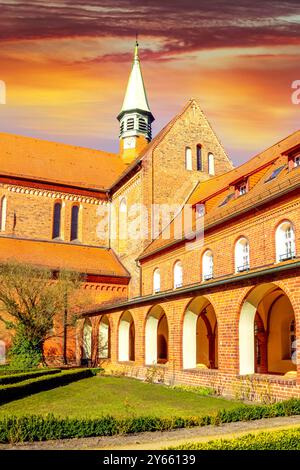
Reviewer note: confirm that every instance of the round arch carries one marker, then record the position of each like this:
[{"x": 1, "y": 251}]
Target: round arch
[
  {"x": 265, "y": 319},
  {"x": 87, "y": 340},
  {"x": 199, "y": 334},
  {"x": 126, "y": 350},
  {"x": 156, "y": 336},
  {"x": 104, "y": 338}
]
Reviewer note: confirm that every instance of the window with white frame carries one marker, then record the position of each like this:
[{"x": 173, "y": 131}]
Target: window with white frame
[
  {"x": 177, "y": 274},
  {"x": 211, "y": 164},
  {"x": 156, "y": 281},
  {"x": 242, "y": 188},
  {"x": 242, "y": 255},
  {"x": 207, "y": 265},
  {"x": 188, "y": 159},
  {"x": 297, "y": 161},
  {"x": 285, "y": 241}
]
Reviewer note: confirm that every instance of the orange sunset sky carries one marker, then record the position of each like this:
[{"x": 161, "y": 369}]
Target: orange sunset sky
[{"x": 66, "y": 65}]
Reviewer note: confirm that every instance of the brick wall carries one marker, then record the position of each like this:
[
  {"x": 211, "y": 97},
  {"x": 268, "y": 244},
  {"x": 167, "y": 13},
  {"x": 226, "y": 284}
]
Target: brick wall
[
  {"x": 227, "y": 301},
  {"x": 258, "y": 227}
]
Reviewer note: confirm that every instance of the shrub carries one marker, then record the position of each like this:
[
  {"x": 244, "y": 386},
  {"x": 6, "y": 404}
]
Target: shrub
[
  {"x": 288, "y": 439},
  {"x": 25, "y": 353},
  {"x": 28, "y": 387},
  {"x": 19, "y": 377},
  {"x": 253, "y": 412},
  {"x": 40, "y": 428}
]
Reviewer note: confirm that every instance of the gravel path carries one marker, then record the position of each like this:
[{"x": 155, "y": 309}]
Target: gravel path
[{"x": 158, "y": 440}]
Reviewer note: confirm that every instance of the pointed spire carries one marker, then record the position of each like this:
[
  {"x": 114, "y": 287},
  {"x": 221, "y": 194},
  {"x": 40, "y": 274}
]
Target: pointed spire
[{"x": 135, "y": 96}]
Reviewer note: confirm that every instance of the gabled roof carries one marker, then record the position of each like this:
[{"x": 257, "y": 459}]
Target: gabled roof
[
  {"x": 263, "y": 164},
  {"x": 59, "y": 255},
  {"x": 58, "y": 163},
  {"x": 158, "y": 139}
]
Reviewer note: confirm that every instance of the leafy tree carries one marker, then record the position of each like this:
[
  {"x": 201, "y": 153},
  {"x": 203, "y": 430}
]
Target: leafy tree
[{"x": 30, "y": 298}]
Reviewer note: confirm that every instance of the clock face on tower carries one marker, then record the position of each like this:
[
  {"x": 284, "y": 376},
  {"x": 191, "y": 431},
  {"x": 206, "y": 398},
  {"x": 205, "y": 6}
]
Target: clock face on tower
[{"x": 129, "y": 143}]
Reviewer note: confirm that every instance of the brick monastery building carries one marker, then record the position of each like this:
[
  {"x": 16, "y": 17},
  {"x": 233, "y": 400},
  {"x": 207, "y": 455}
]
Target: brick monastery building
[{"x": 222, "y": 314}]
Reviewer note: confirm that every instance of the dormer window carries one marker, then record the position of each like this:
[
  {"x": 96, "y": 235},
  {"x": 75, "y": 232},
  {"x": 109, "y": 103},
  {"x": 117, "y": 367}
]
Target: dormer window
[
  {"x": 241, "y": 188},
  {"x": 294, "y": 159},
  {"x": 297, "y": 161}
]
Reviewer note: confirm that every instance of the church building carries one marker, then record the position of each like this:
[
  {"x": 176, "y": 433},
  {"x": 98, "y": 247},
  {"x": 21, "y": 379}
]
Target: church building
[{"x": 222, "y": 312}]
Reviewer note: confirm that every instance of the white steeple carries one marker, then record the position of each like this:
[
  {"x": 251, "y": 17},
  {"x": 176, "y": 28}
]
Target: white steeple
[
  {"x": 135, "y": 116},
  {"x": 135, "y": 96}
]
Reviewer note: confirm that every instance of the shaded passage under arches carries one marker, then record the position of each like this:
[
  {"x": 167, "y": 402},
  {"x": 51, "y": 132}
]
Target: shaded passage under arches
[
  {"x": 126, "y": 338},
  {"x": 156, "y": 337},
  {"x": 267, "y": 332},
  {"x": 200, "y": 335}
]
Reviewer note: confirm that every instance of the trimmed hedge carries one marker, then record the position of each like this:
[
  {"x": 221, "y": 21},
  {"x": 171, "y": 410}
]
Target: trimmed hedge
[
  {"x": 28, "y": 387},
  {"x": 40, "y": 428},
  {"x": 19, "y": 377},
  {"x": 288, "y": 439}
]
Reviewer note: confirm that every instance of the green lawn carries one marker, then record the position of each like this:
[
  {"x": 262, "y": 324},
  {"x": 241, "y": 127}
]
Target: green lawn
[{"x": 122, "y": 396}]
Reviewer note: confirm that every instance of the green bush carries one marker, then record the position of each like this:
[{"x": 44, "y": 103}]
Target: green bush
[
  {"x": 273, "y": 440},
  {"x": 25, "y": 353},
  {"x": 40, "y": 428},
  {"x": 254, "y": 412},
  {"x": 19, "y": 377},
  {"x": 28, "y": 387}
]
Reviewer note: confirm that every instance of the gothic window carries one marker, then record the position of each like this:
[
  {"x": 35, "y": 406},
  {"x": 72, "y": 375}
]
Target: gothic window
[
  {"x": 3, "y": 213},
  {"x": 242, "y": 255},
  {"x": 177, "y": 274},
  {"x": 211, "y": 164},
  {"x": 285, "y": 241},
  {"x": 207, "y": 265},
  {"x": 56, "y": 230},
  {"x": 156, "y": 281},
  {"x": 74, "y": 223},
  {"x": 199, "y": 158},
  {"x": 188, "y": 159}
]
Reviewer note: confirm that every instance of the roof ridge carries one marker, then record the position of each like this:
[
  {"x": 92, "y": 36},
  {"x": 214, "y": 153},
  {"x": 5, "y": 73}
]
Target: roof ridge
[{"x": 63, "y": 144}]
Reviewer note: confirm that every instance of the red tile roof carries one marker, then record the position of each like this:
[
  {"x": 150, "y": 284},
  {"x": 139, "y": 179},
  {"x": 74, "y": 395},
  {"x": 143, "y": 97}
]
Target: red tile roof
[{"x": 60, "y": 255}]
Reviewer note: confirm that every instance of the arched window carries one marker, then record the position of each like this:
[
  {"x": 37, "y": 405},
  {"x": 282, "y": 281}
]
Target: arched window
[
  {"x": 285, "y": 241},
  {"x": 130, "y": 124},
  {"x": 122, "y": 224},
  {"x": 188, "y": 159},
  {"x": 199, "y": 157},
  {"x": 74, "y": 223},
  {"x": 3, "y": 213},
  {"x": 211, "y": 164},
  {"x": 242, "y": 255},
  {"x": 177, "y": 274},
  {"x": 56, "y": 231},
  {"x": 207, "y": 265},
  {"x": 156, "y": 280}
]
